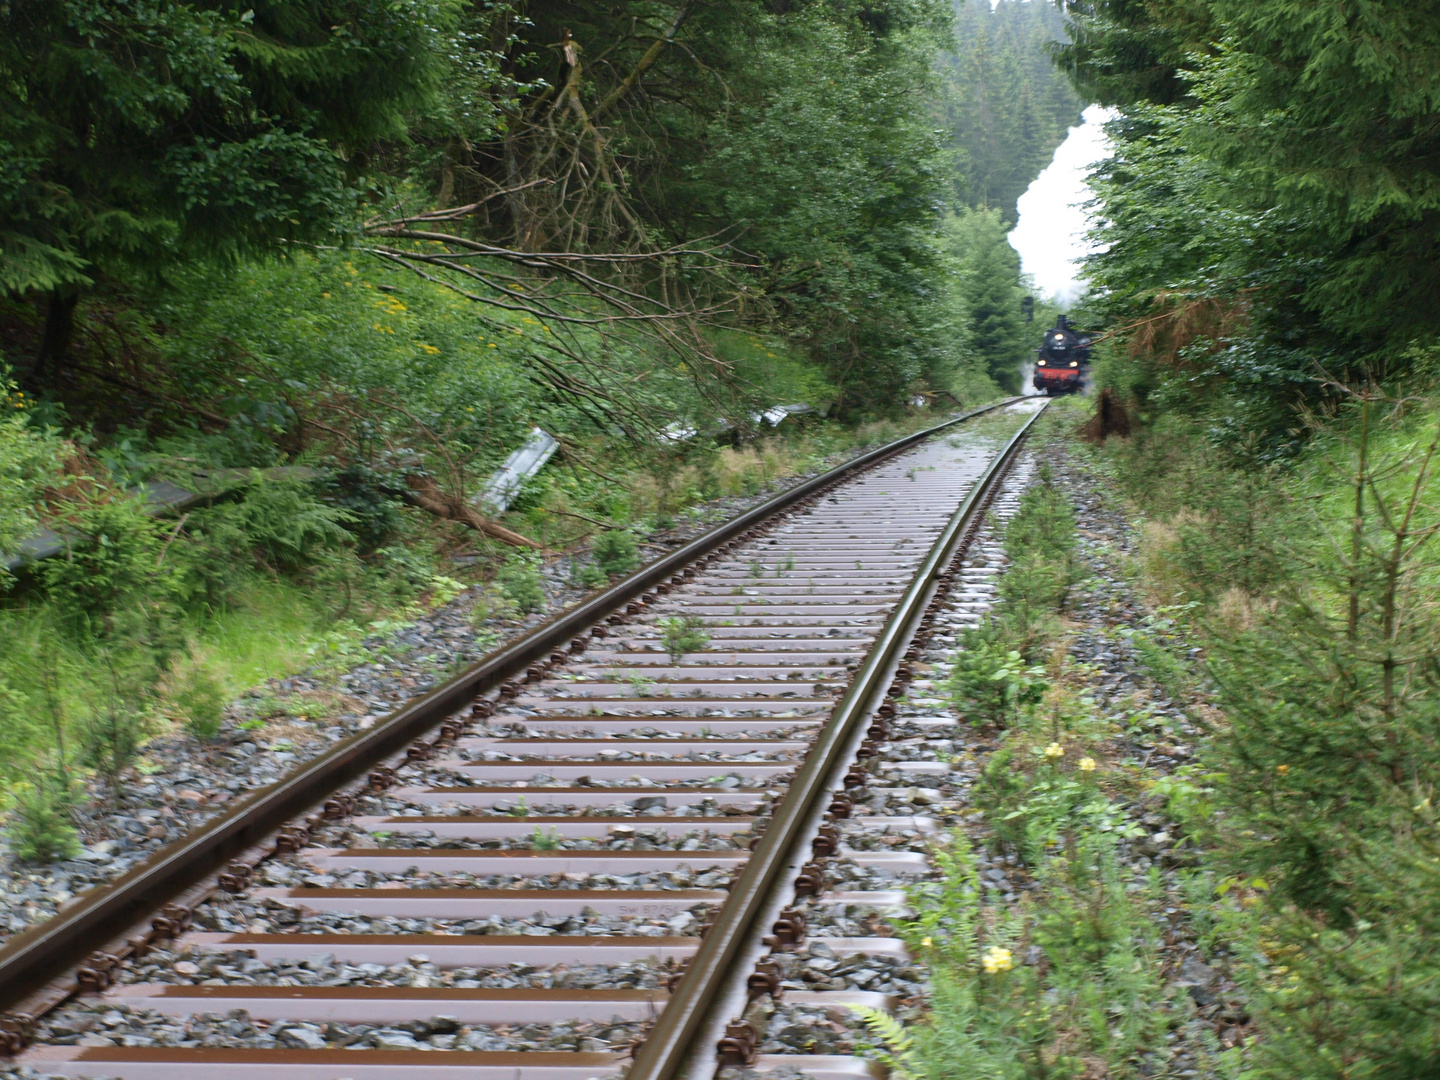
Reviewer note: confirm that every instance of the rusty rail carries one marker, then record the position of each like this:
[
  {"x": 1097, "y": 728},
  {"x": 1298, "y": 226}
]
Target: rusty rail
[{"x": 40, "y": 955}]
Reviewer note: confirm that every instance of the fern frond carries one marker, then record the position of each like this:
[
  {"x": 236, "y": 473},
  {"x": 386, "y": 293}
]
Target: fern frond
[{"x": 899, "y": 1044}]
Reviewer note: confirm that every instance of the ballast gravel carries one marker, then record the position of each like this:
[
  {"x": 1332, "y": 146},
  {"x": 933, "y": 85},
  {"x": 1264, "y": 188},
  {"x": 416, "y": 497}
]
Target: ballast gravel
[
  {"x": 119, "y": 1024},
  {"x": 206, "y": 966}
]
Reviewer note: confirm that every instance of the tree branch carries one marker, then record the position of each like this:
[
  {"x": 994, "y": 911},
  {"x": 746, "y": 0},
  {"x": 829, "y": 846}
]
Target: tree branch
[
  {"x": 426, "y": 494},
  {"x": 645, "y": 63}
]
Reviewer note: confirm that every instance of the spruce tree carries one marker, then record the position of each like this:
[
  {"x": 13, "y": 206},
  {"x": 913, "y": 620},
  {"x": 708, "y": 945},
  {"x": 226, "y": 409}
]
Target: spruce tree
[
  {"x": 989, "y": 276},
  {"x": 136, "y": 134},
  {"x": 1005, "y": 107}
]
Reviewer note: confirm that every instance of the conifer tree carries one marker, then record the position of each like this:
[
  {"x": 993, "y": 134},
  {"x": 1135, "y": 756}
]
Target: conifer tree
[
  {"x": 135, "y": 134},
  {"x": 1006, "y": 108},
  {"x": 989, "y": 278}
]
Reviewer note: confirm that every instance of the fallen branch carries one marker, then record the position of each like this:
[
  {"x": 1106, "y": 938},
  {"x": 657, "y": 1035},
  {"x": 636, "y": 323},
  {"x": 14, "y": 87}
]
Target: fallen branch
[
  {"x": 427, "y": 495},
  {"x": 645, "y": 63}
]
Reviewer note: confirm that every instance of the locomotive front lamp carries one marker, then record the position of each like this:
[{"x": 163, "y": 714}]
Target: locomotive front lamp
[
  {"x": 1074, "y": 363},
  {"x": 1042, "y": 363}
]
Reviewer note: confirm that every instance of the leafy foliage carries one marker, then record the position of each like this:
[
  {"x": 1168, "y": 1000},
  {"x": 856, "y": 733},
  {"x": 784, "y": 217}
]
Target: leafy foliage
[
  {"x": 1269, "y": 217},
  {"x": 1330, "y": 756}
]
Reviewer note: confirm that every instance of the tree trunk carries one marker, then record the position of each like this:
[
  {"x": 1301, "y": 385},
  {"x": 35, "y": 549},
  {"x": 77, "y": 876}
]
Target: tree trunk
[{"x": 54, "y": 352}]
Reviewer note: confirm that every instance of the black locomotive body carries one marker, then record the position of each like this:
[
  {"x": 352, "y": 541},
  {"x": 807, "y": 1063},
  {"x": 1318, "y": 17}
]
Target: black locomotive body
[{"x": 1063, "y": 360}]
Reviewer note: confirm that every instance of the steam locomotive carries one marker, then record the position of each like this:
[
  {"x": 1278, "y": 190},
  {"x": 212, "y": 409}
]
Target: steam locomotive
[{"x": 1063, "y": 360}]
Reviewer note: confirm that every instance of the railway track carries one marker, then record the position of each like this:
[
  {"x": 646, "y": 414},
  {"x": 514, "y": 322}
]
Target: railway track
[{"x": 603, "y": 859}]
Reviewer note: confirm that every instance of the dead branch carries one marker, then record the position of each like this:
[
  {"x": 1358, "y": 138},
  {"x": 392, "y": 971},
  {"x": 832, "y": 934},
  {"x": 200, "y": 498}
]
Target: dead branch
[
  {"x": 1183, "y": 319},
  {"x": 582, "y": 517},
  {"x": 426, "y": 494},
  {"x": 645, "y": 63},
  {"x": 456, "y": 212}
]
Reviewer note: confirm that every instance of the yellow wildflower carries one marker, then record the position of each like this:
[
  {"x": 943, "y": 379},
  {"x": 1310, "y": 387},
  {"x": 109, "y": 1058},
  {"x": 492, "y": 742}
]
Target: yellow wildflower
[
  {"x": 1054, "y": 751},
  {"x": 1087, "y": 764},
  {"x": 926, "y": 942},
  {"x": 1282, "y": 769},
  {"x": 997, "y": 961}
]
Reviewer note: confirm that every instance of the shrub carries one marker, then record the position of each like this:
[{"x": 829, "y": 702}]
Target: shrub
[
  {"x": 40, "y": 827},
  {"x": 615, "y": 552},
  {"x": 200, "y": 701},
  {"x": 521, "y": 584},
  {"x": 590, "y": 576},
  {"x": 287, "y": 524},
  {"x": 30, "y": 459},
  {"x": 990, "y": 681},
  {"x": 1331, "y": 763},
  {"x": 114, "y": 598},
  {"x": 367, "y": 496}
]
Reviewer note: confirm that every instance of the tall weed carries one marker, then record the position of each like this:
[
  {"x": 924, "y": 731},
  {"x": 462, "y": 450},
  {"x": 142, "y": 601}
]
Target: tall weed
[{"x": 1041, "y": 990}]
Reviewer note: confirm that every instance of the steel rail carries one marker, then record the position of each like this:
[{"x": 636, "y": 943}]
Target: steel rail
[
  {"x": 671, "y": 1042},
  {"x": 42, "y": 953}
]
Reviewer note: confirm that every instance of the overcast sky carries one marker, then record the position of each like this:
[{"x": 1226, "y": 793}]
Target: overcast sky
[{"x": 1050, "y": 236}]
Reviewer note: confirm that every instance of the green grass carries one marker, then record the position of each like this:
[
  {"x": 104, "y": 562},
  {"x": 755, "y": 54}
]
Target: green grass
[{"x": 265, "y": 636}]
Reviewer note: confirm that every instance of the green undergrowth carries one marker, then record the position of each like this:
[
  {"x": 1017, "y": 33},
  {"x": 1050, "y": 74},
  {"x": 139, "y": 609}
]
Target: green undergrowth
[
  {"x": 999, "y": 666},
  {"x": 1068, "y": 980},
  {"x": 1315, "y": 591}
]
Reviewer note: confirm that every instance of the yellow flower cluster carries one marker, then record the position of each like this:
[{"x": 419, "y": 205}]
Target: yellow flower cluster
[
  {"x": 1054, "y": 751},
  {"x": 1087, "y": 764},
  {"x": 997, "y": 961}
]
